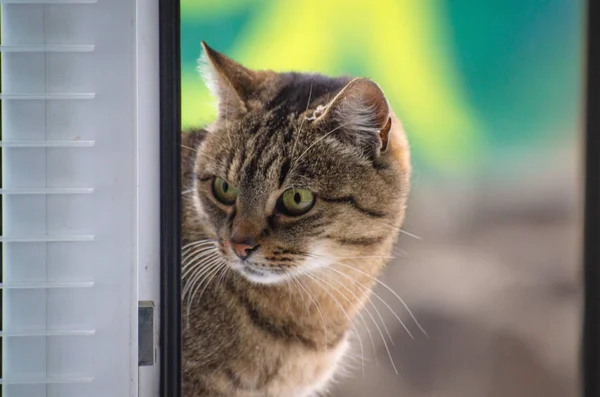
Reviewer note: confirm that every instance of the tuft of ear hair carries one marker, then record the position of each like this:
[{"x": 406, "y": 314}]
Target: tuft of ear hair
[
  {"x": 234, "y": 86},
  {"x": 361, "y": 110}
]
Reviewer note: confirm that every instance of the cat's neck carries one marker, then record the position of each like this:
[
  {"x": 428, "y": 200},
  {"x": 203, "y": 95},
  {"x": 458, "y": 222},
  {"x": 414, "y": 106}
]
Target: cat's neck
[{"x": 320, "y": 305}]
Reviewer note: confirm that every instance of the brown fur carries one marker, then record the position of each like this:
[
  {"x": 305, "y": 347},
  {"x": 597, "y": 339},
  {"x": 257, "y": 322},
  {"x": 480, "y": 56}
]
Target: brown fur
[{"x": 245, "y": 337}]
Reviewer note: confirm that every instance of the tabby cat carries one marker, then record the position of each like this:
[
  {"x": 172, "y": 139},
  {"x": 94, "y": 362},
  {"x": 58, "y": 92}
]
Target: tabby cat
[{"x": 293, "y": 199}]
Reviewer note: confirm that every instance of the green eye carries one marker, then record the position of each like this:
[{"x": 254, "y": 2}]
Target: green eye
[
  {"x": 224, "y": 192},
  {"x": 296, "y": 202}
]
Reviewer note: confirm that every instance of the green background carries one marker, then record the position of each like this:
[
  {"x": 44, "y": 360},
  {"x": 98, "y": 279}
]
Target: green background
[{"x": 473, "y": 81}]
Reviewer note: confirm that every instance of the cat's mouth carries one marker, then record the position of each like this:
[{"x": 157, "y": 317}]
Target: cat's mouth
[
  {"x": 252, "y": 271},
  {"x": 256, "y": 273}
]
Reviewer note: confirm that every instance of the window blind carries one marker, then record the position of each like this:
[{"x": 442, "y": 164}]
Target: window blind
[{"x": 80, "y": 227}]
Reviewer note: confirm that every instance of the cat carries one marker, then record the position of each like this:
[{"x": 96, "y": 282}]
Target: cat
[{"x": 292, "y": 201}]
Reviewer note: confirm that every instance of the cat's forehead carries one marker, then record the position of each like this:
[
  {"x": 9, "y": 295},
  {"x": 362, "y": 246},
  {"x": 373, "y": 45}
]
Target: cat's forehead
[
  {"x": 276, "y": 143},
  {"x": 297, "y": 92},
  {"x": 275, "y": 156},
  {"x": 263, "y": 151}
]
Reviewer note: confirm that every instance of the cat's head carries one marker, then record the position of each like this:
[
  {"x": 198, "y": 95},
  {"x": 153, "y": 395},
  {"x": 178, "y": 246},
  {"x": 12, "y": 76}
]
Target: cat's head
[{"x": 298, "y": 172}]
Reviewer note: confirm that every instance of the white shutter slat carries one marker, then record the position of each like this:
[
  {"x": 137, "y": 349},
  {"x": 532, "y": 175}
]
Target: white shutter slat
[
  {"x": 47, "y": 144},
  {"x": 46, "y": 239},
  {"x": 69, "y": 198},
  {"x": 34, "y": 285},
  {"x": 48, "y": 1},
  {"x": 47, "y": 191},
  {"x": 28, "y": 333},
  {"x": 53, "y": 380},
  {"x": 47, "y": 97},
  {"x": 46, "y": 48}
]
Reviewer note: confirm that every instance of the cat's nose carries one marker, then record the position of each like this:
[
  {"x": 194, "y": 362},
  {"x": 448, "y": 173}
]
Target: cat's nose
[{"x": 243, "y": 247}]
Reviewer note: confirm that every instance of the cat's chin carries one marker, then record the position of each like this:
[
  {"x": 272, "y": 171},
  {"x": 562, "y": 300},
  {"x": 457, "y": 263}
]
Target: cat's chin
[{"x": 256, "y": 276}]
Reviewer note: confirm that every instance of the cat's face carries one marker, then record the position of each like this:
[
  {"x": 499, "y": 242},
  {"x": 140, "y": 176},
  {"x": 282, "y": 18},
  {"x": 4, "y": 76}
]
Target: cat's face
[{"x": 299, "y": 171}]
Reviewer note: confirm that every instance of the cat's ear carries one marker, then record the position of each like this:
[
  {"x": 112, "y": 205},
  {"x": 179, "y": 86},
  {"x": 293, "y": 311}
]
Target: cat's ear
[
  {"x": 232, "y": 84},
  {"x": 361, "y": 110}
]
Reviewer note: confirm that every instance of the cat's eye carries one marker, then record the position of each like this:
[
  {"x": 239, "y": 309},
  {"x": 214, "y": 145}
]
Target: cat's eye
[
  {"x": 296, "y": 202},
  {"x": 224, "y": 192}
]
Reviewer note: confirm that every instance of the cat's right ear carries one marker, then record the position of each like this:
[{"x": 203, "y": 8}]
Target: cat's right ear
[
  {"x": 235, "y": 87},
  {"x": 362, "y": 115}
]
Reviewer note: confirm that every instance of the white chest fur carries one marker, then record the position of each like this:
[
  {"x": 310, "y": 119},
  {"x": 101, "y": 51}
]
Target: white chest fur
[{"x": 307, "y": 373}]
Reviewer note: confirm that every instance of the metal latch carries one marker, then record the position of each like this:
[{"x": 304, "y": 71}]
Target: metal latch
[{"x": 146, "y": 342}]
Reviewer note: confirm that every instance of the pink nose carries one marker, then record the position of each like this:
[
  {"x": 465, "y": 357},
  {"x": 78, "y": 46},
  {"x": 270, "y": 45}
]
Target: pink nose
[{"x": 243, "y": 248}]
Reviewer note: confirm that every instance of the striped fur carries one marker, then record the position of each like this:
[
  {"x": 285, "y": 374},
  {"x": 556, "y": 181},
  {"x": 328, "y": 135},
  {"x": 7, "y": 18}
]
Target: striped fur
[{"x": 275, "y": 325}]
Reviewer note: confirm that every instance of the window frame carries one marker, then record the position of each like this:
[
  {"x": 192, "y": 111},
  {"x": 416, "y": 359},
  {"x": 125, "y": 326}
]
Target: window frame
[
  {"x": 170, "y": 198},
  {"x": 590, "y": 348},
  {"x": 170, "y": 203}
]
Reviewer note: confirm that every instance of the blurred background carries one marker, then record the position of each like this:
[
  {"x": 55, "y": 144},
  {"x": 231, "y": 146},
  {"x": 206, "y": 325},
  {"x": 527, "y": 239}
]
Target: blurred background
[{"x": 490, "y": 93}]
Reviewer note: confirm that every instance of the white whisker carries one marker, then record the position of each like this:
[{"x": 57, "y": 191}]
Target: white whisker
[
  {"x": 410, "y": 234},
  {"x": 318, "y": 309},
  {"x": 206, "y": 282},
  {"x": 304, "y": 305},
  {"x": 189, "y": 148},
  {"x": 376, "y": 326},
  {"x": 199, "y": 273},
  {"x": 195, "y": 246},
  {"x": 199, "y": 260},
  {"x": 223, "y": 276},
  {"x": 196, "y": 279},
  {"x": 187, "y": 254},
  {"x": 362, "y": 351},
  {"x": 382, "y": 337},
  {"x": 387, "y": 331},
  {"x": 392, "y": 291},
  {"x": 366, "y": 326},
  {"x": 299, "y": 131},
  {"x": 319, "y": 140},
  {"x": 196, "y": 270},
  {"x": 197, "y": 242},
  {"x": 196, "y": 254},
  {"x": 360, "y": 285},
  {"x": 367, "y": 257},
  {"x": 386, "y": 287},
  {"x": 399, "y": 251}
]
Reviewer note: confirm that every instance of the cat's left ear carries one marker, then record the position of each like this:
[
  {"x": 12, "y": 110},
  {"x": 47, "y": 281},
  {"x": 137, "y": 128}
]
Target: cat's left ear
[
  {"x": 235, "y": 87},
  {"x": 361, "y": 110}
]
